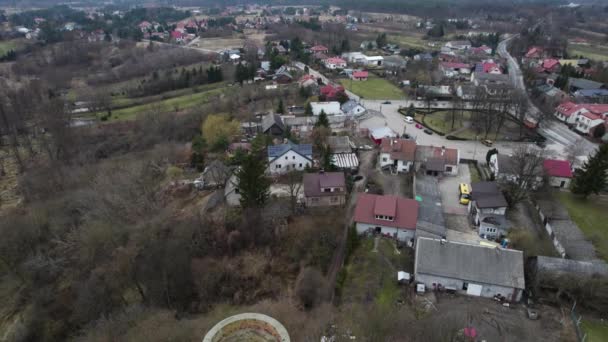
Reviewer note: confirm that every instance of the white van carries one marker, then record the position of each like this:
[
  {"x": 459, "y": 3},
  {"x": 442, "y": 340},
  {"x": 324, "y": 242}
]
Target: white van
[{"x": 409, "y": 119}]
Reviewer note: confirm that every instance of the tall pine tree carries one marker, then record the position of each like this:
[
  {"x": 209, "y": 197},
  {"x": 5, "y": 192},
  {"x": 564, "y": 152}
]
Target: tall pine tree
[
  {"x": 253, "y": 184},
  {"x": 323, "y": 121},
  {"x": 592, "y": 177}
]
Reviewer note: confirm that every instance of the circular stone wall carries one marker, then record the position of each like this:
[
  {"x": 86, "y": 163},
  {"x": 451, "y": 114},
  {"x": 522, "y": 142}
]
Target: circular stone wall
[{"x": 251, "y": 327}]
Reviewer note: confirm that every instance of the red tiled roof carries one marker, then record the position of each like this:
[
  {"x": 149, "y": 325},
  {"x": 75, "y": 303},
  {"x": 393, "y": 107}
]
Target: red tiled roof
[
  {"x": 403, "y": 210},
  {"x": 360, "y": 74},
  {"x": 487, "y": 67},
  {"x": 176, "y": 34},
  {"x": 399, "y": 149},
  {"x": 557, "y": 168},
  {"x": 591, "y": 116},
  {"x": 568, "y": 108},
  {"x": 319, "y": 48},
  {"x": 453, "y": 65},
  {"x": 550, "y": 63},
  {"x": 534, "y": 51},
  {"x": 335, "y": 60},
  {"x": 597, "y": 108}
]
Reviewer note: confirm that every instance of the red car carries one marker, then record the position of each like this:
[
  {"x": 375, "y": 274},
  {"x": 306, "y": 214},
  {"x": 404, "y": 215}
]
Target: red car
[{"x": 419, "y": 126}]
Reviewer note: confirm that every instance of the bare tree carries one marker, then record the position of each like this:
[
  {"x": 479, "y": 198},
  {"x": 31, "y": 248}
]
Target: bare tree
[
  {"x": 525, "y": 172},
  {"x": 293, "y": 179}
]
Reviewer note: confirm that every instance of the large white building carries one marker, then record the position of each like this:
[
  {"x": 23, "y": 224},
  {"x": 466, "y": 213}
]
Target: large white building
[{"x": 329, "y": 107}]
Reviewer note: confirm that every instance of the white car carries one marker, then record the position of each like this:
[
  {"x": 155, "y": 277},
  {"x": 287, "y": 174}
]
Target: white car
[{"x": 409, "y": 119}]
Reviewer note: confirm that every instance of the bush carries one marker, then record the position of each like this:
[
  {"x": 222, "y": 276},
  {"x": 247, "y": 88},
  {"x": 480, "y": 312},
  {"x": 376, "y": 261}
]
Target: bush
[{"x": 310, "y": 287}]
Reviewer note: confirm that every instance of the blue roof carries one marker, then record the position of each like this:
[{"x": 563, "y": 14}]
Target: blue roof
[
  {"x": 592, "y": 92},
  {"x": 279, "y": 150}
]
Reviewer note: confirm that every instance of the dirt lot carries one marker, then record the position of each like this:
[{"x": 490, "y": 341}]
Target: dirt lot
[
  {"x": 234, "y": 42},
  {"x": 494, "y": 322}
]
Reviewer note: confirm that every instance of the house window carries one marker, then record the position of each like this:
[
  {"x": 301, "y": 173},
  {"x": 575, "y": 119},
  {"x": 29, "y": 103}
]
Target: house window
[
  {"x": 334, "y": 200},
  {"x": 278, "y": 166},
  {"x": 294, "y": 157},
  {"x": 315, "y": 199},
  {"x": 326, "y": 190},
  {"x": 286, "y": 157},
  {"x": 448, "y": 169},
  {"x": 465, "y": 286},
  {"x": 384, "y": 159},
  {"x": 300, "y": 164}
]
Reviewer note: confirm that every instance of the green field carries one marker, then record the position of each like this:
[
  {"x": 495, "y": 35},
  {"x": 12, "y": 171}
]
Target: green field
[
  {"x": 409, "y": 41},
  {"x": 177, "y": 103},
  {"x": 591, "y": 216},
  {"x": 596, "y": 331},
  {"x": 374, "y": 88},
  {"x": 595, "y": 52},
  {"x": 6, "y": 46},
  {"x": 441, "y": 121}
]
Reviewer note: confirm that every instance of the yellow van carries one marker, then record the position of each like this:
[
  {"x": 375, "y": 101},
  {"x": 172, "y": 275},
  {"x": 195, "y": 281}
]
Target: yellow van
[{"x": 464, "y": 193}]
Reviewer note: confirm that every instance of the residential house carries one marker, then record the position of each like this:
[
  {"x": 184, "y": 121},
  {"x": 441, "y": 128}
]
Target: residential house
[
  {"x": 427, "y": 57},
  {"x": 388, "y": 215},
  {"x": 507, "y": 170},
  {"x": 359, "y": 75},
  {"x": 458, "y": 45},
  {"x": 368, "y": 45},
  {"x": 587, "y": 122},
  {"x": 308, "y": 81},
  {"x": 469, "y": 269},
  {"x": 319, "y": 49},
  {"x": 340, "y": 144},
  {"x": 436, "y": 160},
  {"x": 179, "y": 37},
  {"x": 489, "y": 68},
  {"x": 559, "y": 172},
  {"x": 584, "y": 117},
  {"x": 282, "y": 75},
  {"x": 482, "y": 78},
  {"x": 439, "y": 92},
  {"x": 454, "y": 69},
  {"x": 466, "y": 91},
  {"x": 552, "y": 95},
  {"x": 324, "y": 189},
  {"x": 215, "y": 175},
  {"x": 352, "y": 108},
  {"x": 575, "y": 84},
  {"x": 330, "y": 92},
  {"x": 481, "y": 50},
  {"x": 329, "y": 107},
  {"x": 334, "y": 63},
  {"x": 549, "y": 66},
  {"x": 380, "y": 133},
  {"x": 272, "y": 124},
  {"x": 288, "y": 157},
  {"x": 398, "y": 154},
  {"x": 535, "y": 52},
  {"x": 487, "y": 208}
]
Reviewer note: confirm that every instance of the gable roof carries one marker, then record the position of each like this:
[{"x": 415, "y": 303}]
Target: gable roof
[
  {"x": 434, "y": 154},
  {"x": 557, "y": 168},
  {"x": 319, "y": 48},
  {"x": 399, "y": 149},
  {"x": 472, "y": 263},
  {"x": 550, "y": 63},
  {"x": 335, "y": 60},
  {"x": 559, "y": 266},
  {"x": 455, "y": 65},
  {"x": 403, "y": 210},
  {"x": 487, "y": 195},
  {"x": 274, "y": 152},
  {"x": 534, "y": 51},
  {"x": 582, "y": 83},
  {"x": 339, "y": 144},
  {"x": 360, "y": 74},
  {"x": 270, "y": 120},
  {"x": 313, "y": 182}
]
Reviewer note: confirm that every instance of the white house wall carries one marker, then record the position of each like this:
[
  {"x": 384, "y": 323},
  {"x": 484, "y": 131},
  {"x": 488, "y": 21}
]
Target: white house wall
[
  {"x": 288, "y": 162},
  {"x": 488, "y": 290},
  {"x": 402, "y": 166},
  {"x": 402, "y": 234}
]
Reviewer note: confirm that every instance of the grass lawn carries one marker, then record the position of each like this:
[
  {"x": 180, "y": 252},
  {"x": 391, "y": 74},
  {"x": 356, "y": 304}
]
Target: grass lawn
[
  {"x": 372, "y": 275},
  {"x": 374, "y": 88},
  {"x": 590, "y": 216},
  {"x": 475, "y": 176},
  {"x": 596, "y": 331},
  {"x": 442, "y": 121},
  {"x": 595, "y": 52},
  {"x": 409, "y": 41},
  {"x": 6, "y": 46}
]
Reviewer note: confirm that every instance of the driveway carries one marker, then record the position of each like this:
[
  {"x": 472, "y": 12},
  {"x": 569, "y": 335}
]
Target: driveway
[
  {"x": 429, "y": 199},
  {"x": 450, "y": 194}
]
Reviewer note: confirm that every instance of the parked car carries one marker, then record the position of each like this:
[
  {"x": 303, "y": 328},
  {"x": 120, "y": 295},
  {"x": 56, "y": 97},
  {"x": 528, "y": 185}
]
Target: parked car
[
  {"x": 419, "y": 126},
  {"x": 487, "y": 142},
  {"x": 409, "y": 119},
  {"x": 541, "y": 144},
  {"x": 428, "y": 131},
  {"x": 386, "y": 102}
]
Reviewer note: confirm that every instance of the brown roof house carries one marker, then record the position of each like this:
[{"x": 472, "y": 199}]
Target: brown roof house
[
  {"x": 397, "y": 154},
  {"x": 324, "y": 189},
  {"x": 437, "y": 160},
  {"x": 389, "y": 215}
]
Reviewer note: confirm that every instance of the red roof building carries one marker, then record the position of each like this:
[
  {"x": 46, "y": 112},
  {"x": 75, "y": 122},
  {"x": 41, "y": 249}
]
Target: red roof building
[
  {"x": 551, "y": 65},
  {"x": 390, "y": 215},
  {"x": 534, "y": 52},
  {"x": 331, "y": 92},
  {"x": 319, "y": 48},
  {"x": 360, "y": 75},
  {"x": 557, "y": 168},
  {"x": 491, "y": 68}
]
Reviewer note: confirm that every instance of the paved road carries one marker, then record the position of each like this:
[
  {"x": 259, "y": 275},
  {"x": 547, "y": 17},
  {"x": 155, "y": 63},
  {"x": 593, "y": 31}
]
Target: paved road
[{"x": 556, "y": 133}]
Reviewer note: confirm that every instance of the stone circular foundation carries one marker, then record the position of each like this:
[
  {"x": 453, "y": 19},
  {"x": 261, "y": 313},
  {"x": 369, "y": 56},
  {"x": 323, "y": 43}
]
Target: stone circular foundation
[{"x": 251, "y": 327}]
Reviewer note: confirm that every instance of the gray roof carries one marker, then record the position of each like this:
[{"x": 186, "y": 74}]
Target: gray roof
[
  {"x": 348, "y": 106},
  {"x": 487, "y": 195},
  {"x": 505, "y": 164},
  {"x": 582, "y": 83},
  {"x": 559, "y": 266},
  {"x": 395, "y": 61},
  {"x": 471, "y": 263},
  {"x": 487, "y": 78},
  {"x": 339, "y": 144},
  {"x": 270, "y": 120}
]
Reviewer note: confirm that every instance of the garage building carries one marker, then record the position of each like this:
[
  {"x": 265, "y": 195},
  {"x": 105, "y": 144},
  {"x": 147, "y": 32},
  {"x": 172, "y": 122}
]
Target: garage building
[{"x": 469, "y": 269}]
